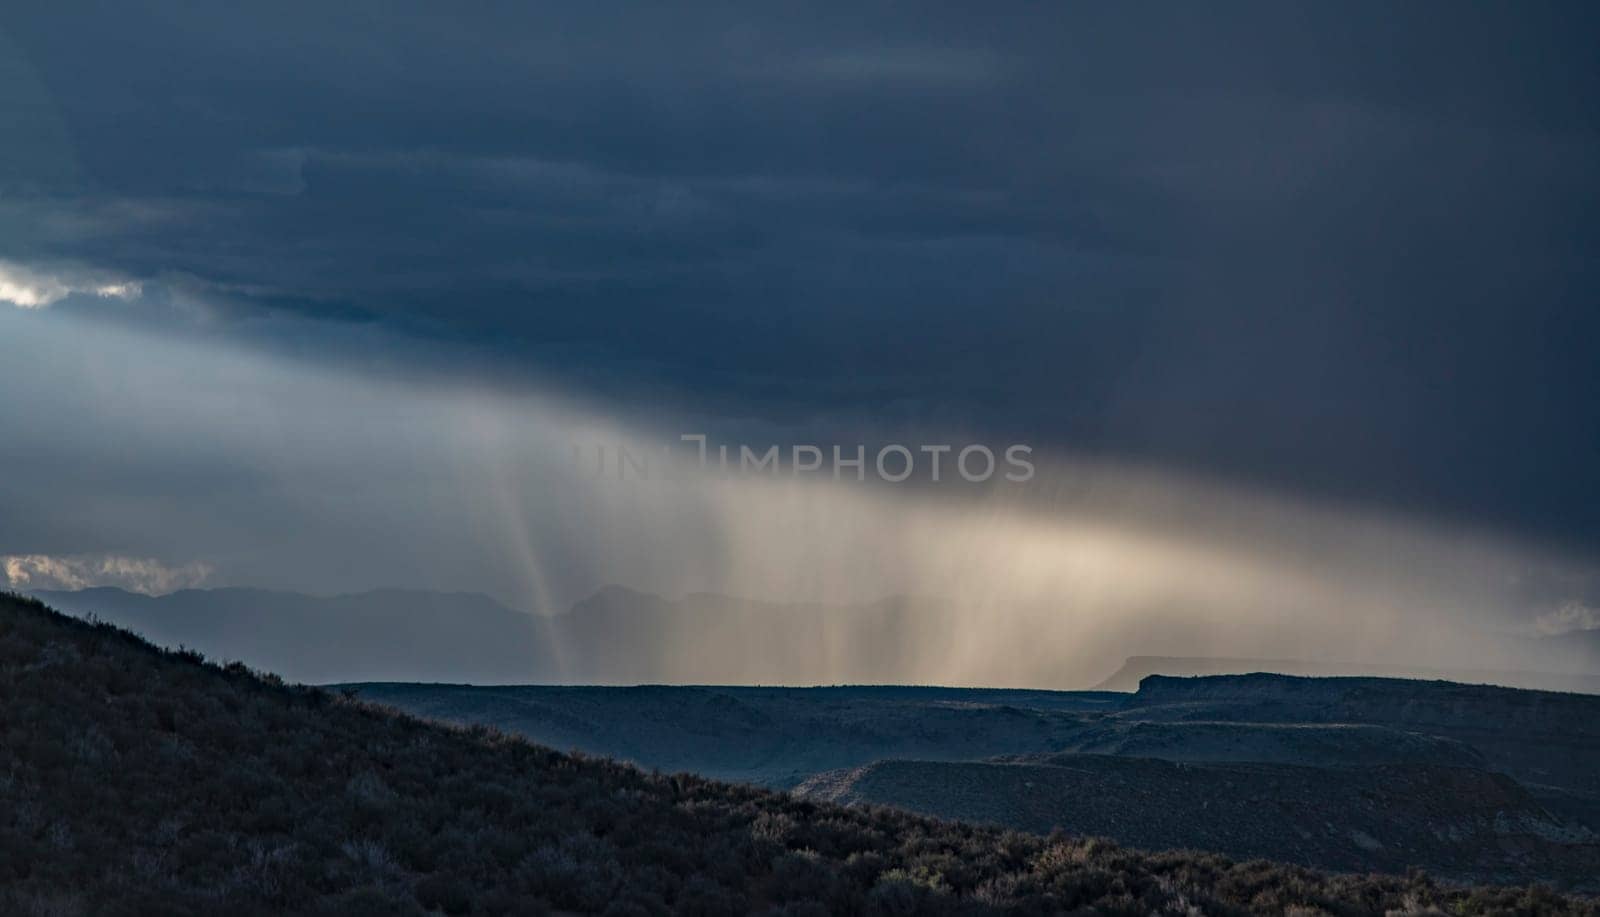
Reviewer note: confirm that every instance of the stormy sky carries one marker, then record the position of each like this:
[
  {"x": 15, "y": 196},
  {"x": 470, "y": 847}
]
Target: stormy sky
[{"x": 266, "y": 269}]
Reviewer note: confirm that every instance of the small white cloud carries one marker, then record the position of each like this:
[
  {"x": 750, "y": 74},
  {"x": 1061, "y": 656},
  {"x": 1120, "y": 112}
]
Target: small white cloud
[
  {"x": 1571, "y": 616},
  {"x": 82, "y": 571},
  {"x": 33, "y": 288}
]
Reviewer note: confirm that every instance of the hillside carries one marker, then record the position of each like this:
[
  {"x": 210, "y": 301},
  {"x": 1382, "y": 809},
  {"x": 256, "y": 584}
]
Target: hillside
[
  {"x": 1335, "y": 745},
  {"x": 1458, "y": 822},
  {"x": 141, "y": 781},
  {"x": 778, "y": 737},
  {"x": 1282, "y": 743},
  {"x": 1543, "y": 738},
  {"x": 775, "y": 737}
]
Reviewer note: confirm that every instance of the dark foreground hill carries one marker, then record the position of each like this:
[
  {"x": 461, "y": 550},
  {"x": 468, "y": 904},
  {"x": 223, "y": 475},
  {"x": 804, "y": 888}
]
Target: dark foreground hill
[{"x": 138, "y": 781}]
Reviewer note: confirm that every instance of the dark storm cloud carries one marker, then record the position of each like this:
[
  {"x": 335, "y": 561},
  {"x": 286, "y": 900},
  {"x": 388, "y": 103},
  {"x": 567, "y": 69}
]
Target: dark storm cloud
[{"x": 1346, "y": 249}]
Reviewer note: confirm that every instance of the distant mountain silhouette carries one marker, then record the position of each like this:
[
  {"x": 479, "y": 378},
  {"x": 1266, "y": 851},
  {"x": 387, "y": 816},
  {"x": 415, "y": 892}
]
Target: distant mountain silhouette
[
  {"x": 621, "y": 636},
  {"x": 616, "y": 636},
  {"x": 387, "y": 633}
]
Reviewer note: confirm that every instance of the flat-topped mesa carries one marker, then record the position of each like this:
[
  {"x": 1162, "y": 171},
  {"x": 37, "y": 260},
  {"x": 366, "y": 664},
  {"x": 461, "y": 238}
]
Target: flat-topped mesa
[
  {"x": 1378, "y": 700},
  {"x": 1135, "y": 669}
]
